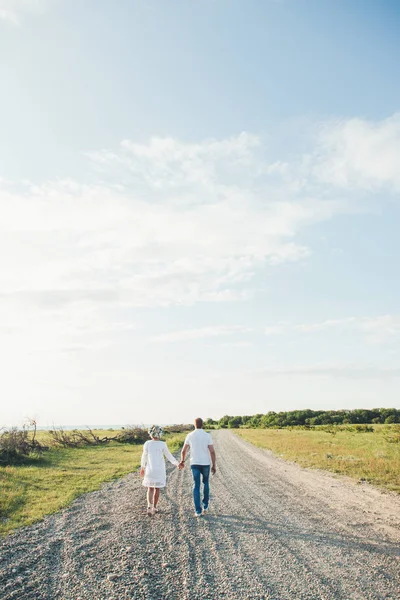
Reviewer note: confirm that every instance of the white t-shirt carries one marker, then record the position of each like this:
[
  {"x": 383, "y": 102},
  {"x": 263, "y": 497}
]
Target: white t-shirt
[{"x": 199, "y": 440}]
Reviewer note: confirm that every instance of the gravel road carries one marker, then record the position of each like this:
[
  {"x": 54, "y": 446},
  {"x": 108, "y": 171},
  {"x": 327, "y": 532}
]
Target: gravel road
[{"x": 274, "y": 531}]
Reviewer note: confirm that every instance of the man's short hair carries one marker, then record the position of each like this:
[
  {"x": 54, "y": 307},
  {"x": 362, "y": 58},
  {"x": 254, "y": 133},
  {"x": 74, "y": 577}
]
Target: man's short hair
[{"x": 198, "y": 423}]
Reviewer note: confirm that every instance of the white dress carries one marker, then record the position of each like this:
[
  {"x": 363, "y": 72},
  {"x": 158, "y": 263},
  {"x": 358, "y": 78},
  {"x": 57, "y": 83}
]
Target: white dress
[{"x": 153, "y": 462}]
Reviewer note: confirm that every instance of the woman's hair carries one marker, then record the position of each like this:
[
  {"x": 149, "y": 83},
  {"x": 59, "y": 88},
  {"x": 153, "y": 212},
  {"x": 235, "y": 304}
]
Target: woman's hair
[{"x": 155, "y": 431}]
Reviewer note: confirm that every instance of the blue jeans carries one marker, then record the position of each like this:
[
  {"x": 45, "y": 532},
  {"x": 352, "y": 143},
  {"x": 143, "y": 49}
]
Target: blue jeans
[{"x": 198, "y": 470}]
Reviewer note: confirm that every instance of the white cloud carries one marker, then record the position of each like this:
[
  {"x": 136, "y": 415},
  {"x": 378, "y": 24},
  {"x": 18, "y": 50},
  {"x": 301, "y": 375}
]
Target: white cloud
[
  {"x": 166, "y": 223},
  {"x": 202, "y": 332},
  {"x": 186, "y": 223},
  {"x": 280, "y": 328},
  {"x": 333, "y": 370},
  {"x": 11, "y": 10},
  {"x": 381, "y": 329},
  {"x": 361, "y": 154},
  {"x": 374, "y": 329},
  {"x": 169, "y": 223},
  {"x": 238, "y": 344},
  {"x": 285, "y": 327},
  {"x": 324, "y": 325}
]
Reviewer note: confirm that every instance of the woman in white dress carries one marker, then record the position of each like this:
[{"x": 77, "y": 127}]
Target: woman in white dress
[{"x": 153, "y": 467}]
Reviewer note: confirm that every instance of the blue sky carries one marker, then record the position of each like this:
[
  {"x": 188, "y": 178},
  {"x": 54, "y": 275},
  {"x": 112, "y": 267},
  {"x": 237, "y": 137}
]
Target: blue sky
[{"x": 199, "y": 208}]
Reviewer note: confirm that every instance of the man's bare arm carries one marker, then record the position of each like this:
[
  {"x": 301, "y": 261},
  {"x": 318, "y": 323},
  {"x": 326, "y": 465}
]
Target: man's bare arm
[
  {"x": 183, "y": 454},
  {"x": 213, "y": 459}
]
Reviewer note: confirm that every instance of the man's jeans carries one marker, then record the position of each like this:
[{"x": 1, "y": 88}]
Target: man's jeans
[{"x": 198, "y": 470}]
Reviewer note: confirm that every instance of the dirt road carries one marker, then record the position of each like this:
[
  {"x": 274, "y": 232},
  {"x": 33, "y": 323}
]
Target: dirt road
[{"x": 274, "y": 531}]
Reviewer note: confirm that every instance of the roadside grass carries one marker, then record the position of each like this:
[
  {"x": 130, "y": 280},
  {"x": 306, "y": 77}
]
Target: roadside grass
[
  {"x": 45, "y": 483},
  {"x": 175, "y": 441},
  {"x": 368, "y": 456}
]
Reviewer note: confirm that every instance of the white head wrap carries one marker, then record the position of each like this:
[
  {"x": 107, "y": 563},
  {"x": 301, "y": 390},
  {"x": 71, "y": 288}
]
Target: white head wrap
[{"x": 155, "y": 431}]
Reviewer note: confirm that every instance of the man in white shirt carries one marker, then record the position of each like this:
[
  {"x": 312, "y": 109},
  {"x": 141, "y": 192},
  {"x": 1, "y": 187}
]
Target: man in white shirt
[{"x": 202, "y": 456}]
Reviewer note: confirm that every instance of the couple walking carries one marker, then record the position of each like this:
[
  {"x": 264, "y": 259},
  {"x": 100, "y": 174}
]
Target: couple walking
[{"x": 202, "y": 460}]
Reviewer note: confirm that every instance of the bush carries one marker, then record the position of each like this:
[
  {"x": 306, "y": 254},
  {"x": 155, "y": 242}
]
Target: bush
[
  {"x": 16, "y": 445},
  {"x": 132, "y": 434},
  {"x": 362, "y": 428},
  {"x": 75, "y": 438},
  {"x": 235, "y": 422},
  {"x": 178, "y": 428},
  {"x": 392, "y": 434}
]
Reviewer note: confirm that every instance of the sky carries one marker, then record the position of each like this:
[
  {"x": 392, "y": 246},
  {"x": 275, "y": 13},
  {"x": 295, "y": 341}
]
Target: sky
[{"x": 199, "y": 208}]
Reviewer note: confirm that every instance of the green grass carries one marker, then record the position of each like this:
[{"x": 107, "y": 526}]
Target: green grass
[
  {"x": 175, "y": 441},
  {"x": 45, "y": 484},
  {"x": 372, "y": 457}
]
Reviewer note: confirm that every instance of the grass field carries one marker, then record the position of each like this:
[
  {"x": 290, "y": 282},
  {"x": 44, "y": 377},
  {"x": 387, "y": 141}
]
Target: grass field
[
  {"x": 45, "y": 484},
  {"x": 372, "y": 456}
]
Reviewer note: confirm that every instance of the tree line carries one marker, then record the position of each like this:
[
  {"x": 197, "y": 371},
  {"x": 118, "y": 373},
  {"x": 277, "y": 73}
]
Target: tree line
[{"x": 307, "y": 418}]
